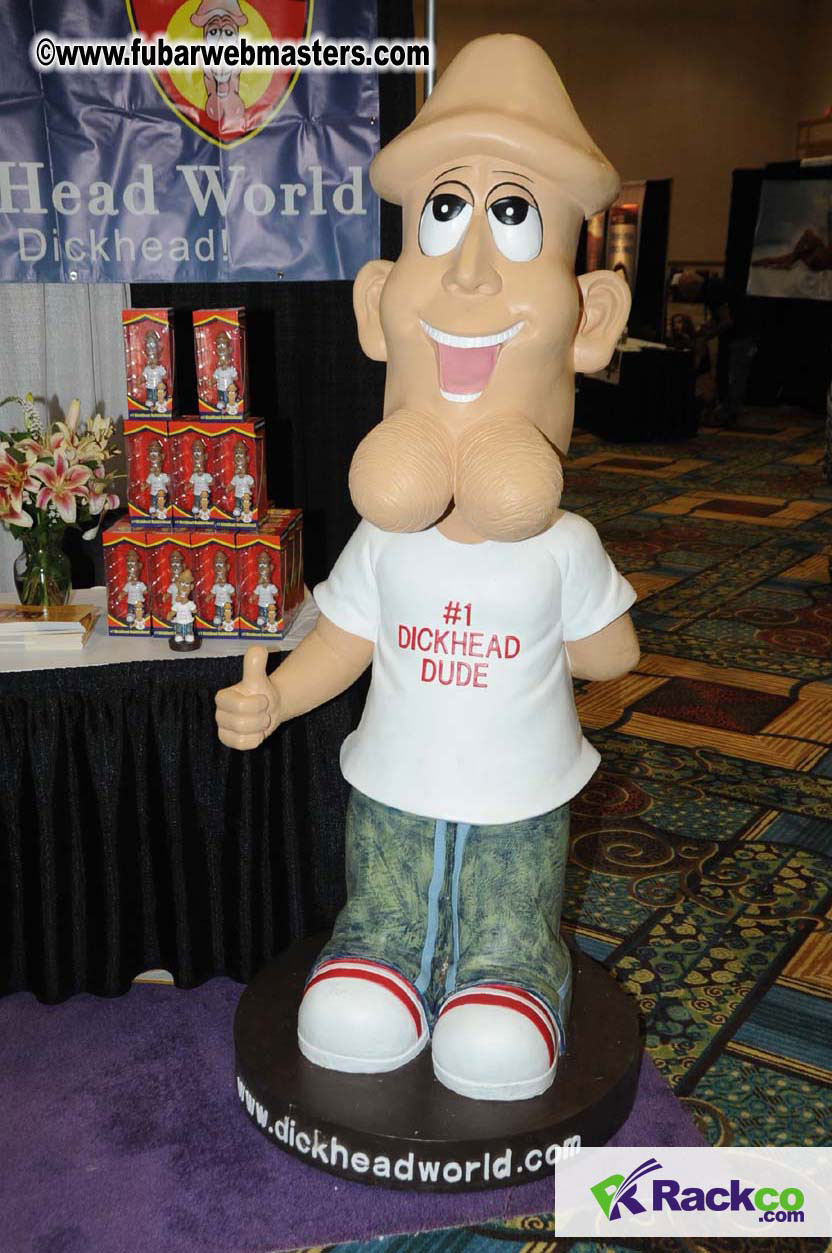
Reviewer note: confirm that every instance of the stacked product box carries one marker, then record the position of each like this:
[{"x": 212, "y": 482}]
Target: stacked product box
[
  {"x": 198, "y": 516},
  {"x": 129, "y": 604},
  {"x": 270, "y": 574}
]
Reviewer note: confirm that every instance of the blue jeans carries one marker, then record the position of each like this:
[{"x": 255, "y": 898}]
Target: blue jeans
[{"x": 452, "y": 904}]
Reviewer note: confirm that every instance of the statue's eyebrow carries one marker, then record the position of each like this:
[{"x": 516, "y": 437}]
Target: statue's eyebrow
[
  {"x": 515, "y": 174},
  {"x": 445, "y": 173}
]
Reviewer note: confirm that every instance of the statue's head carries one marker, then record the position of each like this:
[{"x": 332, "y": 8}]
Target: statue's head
[
  {"x": 152, "y": 347},
  {"x": 481, "y": 320}
]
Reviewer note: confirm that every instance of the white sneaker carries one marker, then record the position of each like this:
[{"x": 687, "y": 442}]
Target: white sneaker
[
  {"x": 189, "y": 639},
  {"x": 360, "y": 1017},
  {"x": 495, "y": 1042}
]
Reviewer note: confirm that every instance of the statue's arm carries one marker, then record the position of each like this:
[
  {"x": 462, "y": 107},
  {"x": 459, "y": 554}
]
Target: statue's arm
[
  {"x": 608, "y": 654},
  {"x": 322, "y": 666}
]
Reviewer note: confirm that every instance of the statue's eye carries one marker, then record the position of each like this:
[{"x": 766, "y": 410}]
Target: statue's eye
[
  {"x": 444, "y": 220},
  {"x": 516, "y": 228}
]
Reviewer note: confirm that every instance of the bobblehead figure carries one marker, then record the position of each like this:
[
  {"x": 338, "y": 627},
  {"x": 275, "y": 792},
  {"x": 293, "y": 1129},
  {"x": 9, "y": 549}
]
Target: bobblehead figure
[{"x": 472, "y": 595}]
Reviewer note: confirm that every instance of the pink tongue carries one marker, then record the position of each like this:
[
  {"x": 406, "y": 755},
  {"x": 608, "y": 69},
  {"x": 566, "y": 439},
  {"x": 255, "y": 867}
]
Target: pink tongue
[{"x": 465, "y": 370}]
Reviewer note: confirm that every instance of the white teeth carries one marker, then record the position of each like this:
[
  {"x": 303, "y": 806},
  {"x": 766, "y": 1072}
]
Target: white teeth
[
  {"x": 470, "y": 341},
  {"x": 459, "y": 398}
]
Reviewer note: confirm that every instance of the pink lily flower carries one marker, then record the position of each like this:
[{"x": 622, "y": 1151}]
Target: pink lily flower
[
  {"x": 62, "y": 485},
  {"x": 13, "y": 479}
]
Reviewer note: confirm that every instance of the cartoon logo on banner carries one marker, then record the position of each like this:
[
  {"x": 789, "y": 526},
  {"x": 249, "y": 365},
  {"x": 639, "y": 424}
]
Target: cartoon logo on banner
[{"x": 225, "y": 106}]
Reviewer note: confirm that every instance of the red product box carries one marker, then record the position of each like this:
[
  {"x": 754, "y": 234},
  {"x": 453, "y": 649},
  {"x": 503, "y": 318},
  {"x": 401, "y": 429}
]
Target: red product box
[
  {"x": 129, "y": 595},
  {"x": 149, "y": 477},
  {"x": 270, "y": 575},
  {"x": 170, "y": 560},
  {"x": 214, "y": 563},
  {"x": 221, "y": 366},
  {"x": 148, "y": 355},
  {"x": 192, "y": 444},
  {"x": 238, "y": 465}
]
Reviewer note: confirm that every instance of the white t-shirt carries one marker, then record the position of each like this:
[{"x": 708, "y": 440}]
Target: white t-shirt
[
  {"x": 222, "y": 593},
  {"x": 201, "y": 482},
  {"x": 265, "y": 593},
  {"x": 134, "y": 591},
  {"x": 471, "y": 713},
  {"x": 153, "y": 375},
  {"x": 242, "y": 484},
  {"x": 225, "y": 375},
  {"x": 157, "y": 482},
  {"x": 183, "y": 612}
]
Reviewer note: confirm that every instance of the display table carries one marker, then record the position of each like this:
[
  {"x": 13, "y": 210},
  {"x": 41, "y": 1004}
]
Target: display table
[
  {"x": 130, "y": 838},
  {"x": 646, "y": 393}
]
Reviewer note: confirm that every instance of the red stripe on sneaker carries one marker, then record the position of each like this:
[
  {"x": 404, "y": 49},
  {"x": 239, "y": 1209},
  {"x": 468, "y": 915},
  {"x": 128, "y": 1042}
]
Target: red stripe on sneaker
[
  {"x": 351, "y": 963},
  {"x": 374, "y": 965},
  {"x": 371, "y": 976},
  {"x": 523, "y": 994},
  {"x": 477, "y": 996}
]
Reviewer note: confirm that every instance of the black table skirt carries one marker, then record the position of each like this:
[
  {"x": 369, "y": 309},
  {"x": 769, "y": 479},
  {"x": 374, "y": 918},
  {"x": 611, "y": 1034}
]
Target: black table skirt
[{"x": 130, "y": 838}]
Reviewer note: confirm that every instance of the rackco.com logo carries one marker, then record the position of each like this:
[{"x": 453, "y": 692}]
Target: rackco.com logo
[{"x": 615, "y": 1194}]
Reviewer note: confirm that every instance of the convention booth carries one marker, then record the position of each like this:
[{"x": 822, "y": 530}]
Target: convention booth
[{"x": 347, "y": 803}]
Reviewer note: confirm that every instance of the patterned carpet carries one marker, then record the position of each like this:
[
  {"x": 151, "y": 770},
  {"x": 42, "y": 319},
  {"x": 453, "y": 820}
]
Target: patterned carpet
[{"x": 701, "y": 867}]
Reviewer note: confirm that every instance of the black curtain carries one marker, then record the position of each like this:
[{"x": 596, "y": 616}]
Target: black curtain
[
  {"x": 309, "y": 378},
  {"x": 130, "y": 838}
]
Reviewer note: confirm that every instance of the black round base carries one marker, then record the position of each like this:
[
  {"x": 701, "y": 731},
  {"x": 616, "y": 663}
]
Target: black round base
[
  {"x": 404, "y": 1129},
  {"x": 182, "y": 646}
]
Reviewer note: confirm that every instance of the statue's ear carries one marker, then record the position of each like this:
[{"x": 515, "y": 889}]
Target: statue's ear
[
  {"x": 366, "y": 298},
  {"x": 606, "y": 307}
]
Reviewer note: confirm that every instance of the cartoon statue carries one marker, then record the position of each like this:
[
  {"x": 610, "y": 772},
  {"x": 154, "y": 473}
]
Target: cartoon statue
[
  {"x": 157, "y": 480},
  {"x": 242, "y": 482},
  {"x": 184, "y": 610},
  {"x": 200, "y": 481},
  {"x": 222, "y": 591},
  {"x": 179, "y": 573},
  {"x": 220, "y": 22},
  {"x": 473, "y": 595},
  {"x": 228, "y": 617},
  {"x": 226, "y": 372},
  {"x": 265, "y": 592},
  {"x": 154, "y": 373},
  {"x": 271, "y": 619},
  {"x": 135, "y": 591}
]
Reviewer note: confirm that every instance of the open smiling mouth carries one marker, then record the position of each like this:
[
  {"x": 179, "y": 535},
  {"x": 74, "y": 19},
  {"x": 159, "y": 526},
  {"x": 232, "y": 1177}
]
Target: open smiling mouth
[{"x": 466, "y": 362}]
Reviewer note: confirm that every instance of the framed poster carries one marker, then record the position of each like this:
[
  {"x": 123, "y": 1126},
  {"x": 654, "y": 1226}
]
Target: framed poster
[{"x": 792, "y": 253}]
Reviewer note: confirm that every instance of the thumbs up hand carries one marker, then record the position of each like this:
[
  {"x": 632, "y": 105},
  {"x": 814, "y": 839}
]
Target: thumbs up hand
[{"x": 251, "y": 710}]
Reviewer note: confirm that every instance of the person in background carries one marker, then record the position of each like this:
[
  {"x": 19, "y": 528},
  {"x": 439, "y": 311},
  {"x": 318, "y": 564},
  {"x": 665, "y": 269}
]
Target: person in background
[{"x": 725, "y": 306}]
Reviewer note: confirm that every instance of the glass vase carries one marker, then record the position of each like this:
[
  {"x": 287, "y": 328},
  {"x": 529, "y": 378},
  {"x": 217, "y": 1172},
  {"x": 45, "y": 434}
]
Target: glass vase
[{"x": 42, "y": 573}]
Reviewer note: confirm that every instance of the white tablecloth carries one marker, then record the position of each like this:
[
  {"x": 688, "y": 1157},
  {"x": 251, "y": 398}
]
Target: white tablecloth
[{"x": 103, "y": 649}]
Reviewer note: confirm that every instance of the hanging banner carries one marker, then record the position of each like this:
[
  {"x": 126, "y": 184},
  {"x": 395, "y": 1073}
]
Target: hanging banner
[{"x": 185, "y": 174}]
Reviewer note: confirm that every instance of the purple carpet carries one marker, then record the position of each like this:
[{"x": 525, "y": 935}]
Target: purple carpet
[{"x": 120, "y": 1130}]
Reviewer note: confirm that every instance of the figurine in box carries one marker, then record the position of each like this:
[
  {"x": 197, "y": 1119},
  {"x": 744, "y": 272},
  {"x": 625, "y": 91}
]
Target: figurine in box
[
  {"x": 222, "y": 591},
  {"x": 243, "y": 483},
  {"x": 225, "y": 374},
  {"x": 154, "y": 374},
  {"x": 201, "y": 481},
  {"x": 228, "y": 624},
  {"x": 458, "y": 821},
  {"x": 265, "y": 592},
  {"x": 134, "y": 591},
  {"x": 157, "y": 480},
  {"x": 232, "y": 403}
]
